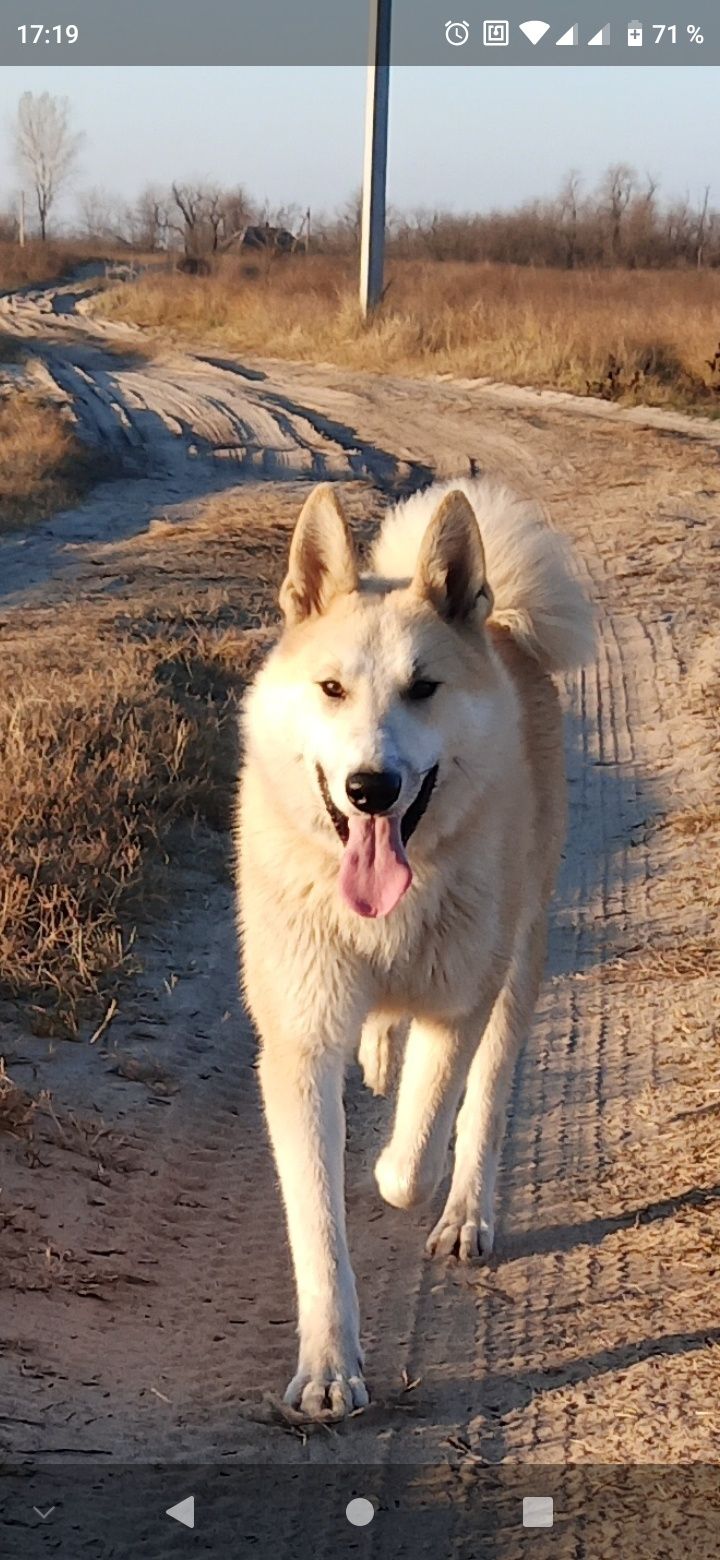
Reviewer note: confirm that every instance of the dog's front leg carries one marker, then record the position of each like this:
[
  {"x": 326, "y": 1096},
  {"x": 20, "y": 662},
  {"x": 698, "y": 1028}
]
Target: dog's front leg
[
  {"x": 302, "y": 1089},
  {"x": 435, "y": 1069}
]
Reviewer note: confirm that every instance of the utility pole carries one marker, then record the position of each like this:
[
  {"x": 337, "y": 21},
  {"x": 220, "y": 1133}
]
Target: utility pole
[
  {"x": 372, "y": 237},
  {"x": 21, "y": 223}
]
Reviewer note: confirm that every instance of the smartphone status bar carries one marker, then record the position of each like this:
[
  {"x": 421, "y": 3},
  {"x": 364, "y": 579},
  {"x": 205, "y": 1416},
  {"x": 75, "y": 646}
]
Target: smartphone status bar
[{"x": 635, "y": 33}]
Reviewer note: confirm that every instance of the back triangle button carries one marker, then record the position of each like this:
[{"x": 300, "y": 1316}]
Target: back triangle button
[{"x": 184, "y": 1512}]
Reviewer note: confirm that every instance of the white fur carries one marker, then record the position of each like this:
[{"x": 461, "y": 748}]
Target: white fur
[
  {"x": 528, "y": 567},
  {"x": 450, "y": 976}
]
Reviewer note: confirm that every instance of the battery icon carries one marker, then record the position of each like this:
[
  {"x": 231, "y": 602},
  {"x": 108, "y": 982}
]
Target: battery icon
[{"x": 635, "y": 35}]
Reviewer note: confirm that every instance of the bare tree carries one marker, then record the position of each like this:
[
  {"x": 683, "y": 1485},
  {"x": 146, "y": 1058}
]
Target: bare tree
[
  {"x": 679, "y": 228},
  {"x": 238, "y": 211},
  {"x": 702, "y": 227},
  {"x": 46, "y": 147},
  {"x": 619, "y": 187},
  {"x": 97, "y": 215},
  {"x": 568, "y": 212},
  {"x": 640, "y": 225},
  {"x": 203, "y": 218},
  {"x": 351, "y": 216},
  {"x": 147, "y": 222}
]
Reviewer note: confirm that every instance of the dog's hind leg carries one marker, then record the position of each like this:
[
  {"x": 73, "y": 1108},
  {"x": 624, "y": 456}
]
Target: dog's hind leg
[
  {"x": 467, "y": 1224},
  {"x": 434, "y": 1072},
  {"x": 381, "y": 1050}
]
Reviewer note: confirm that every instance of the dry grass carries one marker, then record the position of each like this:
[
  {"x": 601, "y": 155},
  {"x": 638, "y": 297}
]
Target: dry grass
[
  {"x": 43, "y": 466},
  {"x": 630, "y": 335},
  {"x": 36, "y": 263},
  {"x": 102, "y": 752},
  {"x": 694, "y": 959},
  {"x": 117, "y": 733}
]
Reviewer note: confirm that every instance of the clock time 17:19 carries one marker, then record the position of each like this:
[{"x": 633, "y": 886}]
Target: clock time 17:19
[{"x": 34, "y": 32}]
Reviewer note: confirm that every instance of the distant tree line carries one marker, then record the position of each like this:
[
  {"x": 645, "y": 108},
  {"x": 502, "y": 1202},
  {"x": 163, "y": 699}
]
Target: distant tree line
[
  {"x": 195, "y": 219},
  {"x": 622, "y": 221}
]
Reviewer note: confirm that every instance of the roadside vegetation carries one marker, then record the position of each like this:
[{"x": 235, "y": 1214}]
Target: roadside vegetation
[
  {"x": 35, "y": 262},
  {"x": 629, "y": 336},
  {"x": 43, "y": 466},
  {"x": 103, "y": 759}
]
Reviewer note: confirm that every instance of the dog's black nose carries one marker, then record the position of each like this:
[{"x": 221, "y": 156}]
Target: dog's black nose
[{"x": 373, "y": 790}]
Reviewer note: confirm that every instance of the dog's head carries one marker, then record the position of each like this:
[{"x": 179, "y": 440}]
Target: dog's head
[{"x": 370, "y": 717}]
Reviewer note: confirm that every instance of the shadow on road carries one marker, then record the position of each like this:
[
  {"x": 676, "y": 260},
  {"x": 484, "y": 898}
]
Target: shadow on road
[{"x": 592, "y": 1232}]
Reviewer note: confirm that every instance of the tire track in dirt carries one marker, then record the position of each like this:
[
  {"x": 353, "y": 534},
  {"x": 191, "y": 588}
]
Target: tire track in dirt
[
  {"x": 163, "y": 413},
  {"x": 557, "y": 1114},
  {"x": 169, "y": 431}
]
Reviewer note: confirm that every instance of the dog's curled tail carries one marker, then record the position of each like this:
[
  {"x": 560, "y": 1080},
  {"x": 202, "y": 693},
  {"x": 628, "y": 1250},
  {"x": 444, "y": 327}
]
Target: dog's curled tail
[{"x": 536, "y": 597}]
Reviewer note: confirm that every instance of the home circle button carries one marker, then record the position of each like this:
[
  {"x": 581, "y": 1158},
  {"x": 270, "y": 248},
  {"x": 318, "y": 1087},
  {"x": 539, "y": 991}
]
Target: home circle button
[{"x": 359, "y": 1511}]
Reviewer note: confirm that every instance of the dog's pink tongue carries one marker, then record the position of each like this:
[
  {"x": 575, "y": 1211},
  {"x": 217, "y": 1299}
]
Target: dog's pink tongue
[{"x": 375, "y": 872}]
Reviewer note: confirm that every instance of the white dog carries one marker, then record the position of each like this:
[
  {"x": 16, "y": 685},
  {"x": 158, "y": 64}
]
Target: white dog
[{"x": 400, "y": 822}]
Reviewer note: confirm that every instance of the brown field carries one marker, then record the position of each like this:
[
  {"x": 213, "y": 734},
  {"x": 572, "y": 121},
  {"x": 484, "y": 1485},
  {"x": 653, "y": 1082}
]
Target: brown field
[
  {"x": 647, "y": 336},
  {"x": 43, "y": 466}
]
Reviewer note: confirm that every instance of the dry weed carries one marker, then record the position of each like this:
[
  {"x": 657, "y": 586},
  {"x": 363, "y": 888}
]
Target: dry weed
[
  {"x": 694, "y": 959},
  {"x": 106, "y": 744},
  {"x": 35, "y": 263},
  {"x": 43, "y": 467},
  {"x": 39, "y": 263}
]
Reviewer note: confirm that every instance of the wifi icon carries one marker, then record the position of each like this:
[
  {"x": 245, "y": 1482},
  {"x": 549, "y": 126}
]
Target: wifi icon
[{"x": 534, "y": 30}]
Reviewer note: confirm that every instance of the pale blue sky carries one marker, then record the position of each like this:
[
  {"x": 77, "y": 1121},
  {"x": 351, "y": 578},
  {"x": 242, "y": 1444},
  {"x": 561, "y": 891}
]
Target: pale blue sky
[{"x": 463, "y": 138}]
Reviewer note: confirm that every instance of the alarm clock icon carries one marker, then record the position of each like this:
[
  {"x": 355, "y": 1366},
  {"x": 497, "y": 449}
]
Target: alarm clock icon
[{"x": 457, "y": 33}]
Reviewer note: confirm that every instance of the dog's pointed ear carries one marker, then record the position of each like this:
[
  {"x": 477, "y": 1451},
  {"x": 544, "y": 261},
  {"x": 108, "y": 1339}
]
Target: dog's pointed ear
[
  {"x": 450, "y": 570},
  {"x": 322, "y": 561}
]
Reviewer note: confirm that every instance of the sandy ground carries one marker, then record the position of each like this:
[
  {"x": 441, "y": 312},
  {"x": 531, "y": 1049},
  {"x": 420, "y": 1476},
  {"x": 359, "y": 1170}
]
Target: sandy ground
[{"x": 148, "y": 1306}]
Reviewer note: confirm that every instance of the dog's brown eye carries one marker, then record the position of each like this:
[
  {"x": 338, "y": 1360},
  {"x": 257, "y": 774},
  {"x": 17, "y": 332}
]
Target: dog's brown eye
[
  {"x": 333, "y": 690},
  {"x": 422, "y": 688}
]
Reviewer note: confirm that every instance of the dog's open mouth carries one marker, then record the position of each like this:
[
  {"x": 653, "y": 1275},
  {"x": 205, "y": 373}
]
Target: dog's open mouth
[
  {"x": 337, "y": 818},
  {"x": 375, "y": 872},
  {"x": 416, "y": 809}
]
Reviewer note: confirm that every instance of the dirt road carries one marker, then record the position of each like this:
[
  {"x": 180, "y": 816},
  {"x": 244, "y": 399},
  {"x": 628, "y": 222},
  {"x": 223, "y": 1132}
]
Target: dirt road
[{"x": 150, "y": 1305}]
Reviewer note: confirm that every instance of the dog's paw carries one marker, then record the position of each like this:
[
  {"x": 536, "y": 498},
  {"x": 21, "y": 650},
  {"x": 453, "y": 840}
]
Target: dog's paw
[
  {"x": 328, "y": 1393},
  {"x": 470, "y": 1240},
  {"x": 404, "y": 1185}
]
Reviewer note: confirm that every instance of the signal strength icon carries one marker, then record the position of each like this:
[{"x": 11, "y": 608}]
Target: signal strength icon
[
  {"x": 601, "y": 39},
  {"x": 534, "y": 30},
  {"x": 569, "y": 39}
]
